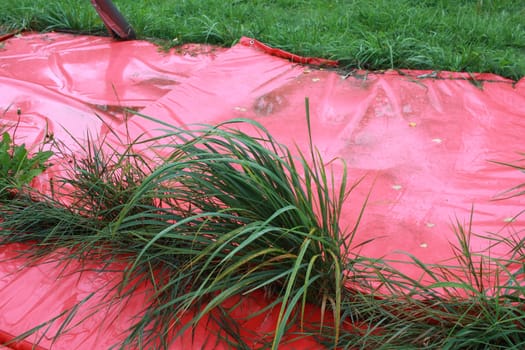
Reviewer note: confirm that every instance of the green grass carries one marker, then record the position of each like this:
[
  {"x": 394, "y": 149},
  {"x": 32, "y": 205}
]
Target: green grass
[
  {"x": 224, "y": 214},
  {"x": 193, "y": 224},
  {"x": 17, "y": 167},
  {"x": 465, "y": 35}
]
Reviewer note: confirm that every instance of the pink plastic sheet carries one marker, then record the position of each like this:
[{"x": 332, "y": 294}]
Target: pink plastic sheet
[{"x": 425, "y": 143}]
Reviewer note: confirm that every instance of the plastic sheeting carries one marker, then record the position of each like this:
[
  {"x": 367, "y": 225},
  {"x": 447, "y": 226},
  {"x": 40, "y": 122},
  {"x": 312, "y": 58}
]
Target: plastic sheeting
[{"x": 425, "y": 143}]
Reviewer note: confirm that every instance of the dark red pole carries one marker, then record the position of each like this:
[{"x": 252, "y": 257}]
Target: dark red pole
[{"x": 113, "y": 20}]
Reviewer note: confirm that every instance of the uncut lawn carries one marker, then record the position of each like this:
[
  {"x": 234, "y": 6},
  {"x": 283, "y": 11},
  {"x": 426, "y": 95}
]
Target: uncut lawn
[{"x": 474, "y": 36}]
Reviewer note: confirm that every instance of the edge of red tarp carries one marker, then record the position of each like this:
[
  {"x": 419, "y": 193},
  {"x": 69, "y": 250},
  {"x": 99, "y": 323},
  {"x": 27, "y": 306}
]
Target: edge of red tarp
[
  {"x": 323, "y": 62},
  {"x": 415, "y": 73},
  {"x": 7, "y": 342},
  {"x": 7, "y": 36},
  {"x": 246, "y": 41}
]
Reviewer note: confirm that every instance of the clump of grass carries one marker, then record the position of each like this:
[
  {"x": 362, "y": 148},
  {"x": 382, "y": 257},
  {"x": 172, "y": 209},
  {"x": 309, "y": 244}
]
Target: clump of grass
[
  {"x": 224, "y": 214},
  {"x": 475, "y": 302},
  {"x": 74, "y": 15},
  {"x": 258, "y": 225}
]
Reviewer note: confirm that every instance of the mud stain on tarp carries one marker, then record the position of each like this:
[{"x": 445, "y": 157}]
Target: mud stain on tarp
[{"x": 269, "y": 103}]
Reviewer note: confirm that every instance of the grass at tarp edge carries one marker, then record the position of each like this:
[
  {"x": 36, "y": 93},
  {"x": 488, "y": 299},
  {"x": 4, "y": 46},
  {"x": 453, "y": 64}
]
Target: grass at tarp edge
[
  {"x": 473, "y": 36},
  {"x": 444, "y": 314}
]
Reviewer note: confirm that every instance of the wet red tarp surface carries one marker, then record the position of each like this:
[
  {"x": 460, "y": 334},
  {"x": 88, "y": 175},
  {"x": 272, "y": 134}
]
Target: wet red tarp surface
[{"x": 424, "y": 143}]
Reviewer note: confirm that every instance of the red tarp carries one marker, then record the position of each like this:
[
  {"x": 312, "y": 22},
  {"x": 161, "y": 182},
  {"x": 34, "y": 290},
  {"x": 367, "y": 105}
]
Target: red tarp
[{"x": 423, "y": 141}]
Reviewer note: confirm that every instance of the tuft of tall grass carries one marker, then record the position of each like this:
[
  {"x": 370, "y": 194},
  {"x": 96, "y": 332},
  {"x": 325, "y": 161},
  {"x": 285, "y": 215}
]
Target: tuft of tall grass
[
  {"x": 475, "y": 302},
  {"x": 224, "y": 214}
]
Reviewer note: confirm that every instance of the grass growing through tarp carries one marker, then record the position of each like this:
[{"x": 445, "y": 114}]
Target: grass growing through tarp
[
  {"x": 222, "y": 214},
  {"x": 474, "y": 36},
  {"x": 474, "y": 303}
]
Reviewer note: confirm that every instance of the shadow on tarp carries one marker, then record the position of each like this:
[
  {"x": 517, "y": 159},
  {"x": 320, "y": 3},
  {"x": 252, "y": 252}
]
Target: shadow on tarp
[{"x": 422, "y": 140}]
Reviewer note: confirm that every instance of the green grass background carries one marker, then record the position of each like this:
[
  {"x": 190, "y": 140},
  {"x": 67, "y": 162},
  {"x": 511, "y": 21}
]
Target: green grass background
[{"x": 462, "y": 35}]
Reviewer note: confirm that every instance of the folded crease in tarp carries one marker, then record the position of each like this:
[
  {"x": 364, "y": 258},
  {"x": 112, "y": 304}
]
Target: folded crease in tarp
[{"x": 428, "y": 145}]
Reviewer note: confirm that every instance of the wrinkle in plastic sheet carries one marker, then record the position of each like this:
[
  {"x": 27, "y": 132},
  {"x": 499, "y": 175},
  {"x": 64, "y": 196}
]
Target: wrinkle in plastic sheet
[{"x": 422, "y": 142}]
